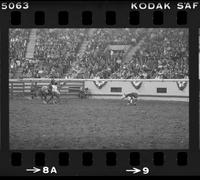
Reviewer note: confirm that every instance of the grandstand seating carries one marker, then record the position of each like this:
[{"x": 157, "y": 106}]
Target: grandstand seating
[
  {"x": 84, "y": 53},
  {"x": 31, "y": 45}
]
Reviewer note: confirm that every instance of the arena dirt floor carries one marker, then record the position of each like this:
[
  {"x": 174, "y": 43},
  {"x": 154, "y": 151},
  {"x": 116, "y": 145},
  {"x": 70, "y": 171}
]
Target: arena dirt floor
[{"x": 98, "y": 124}]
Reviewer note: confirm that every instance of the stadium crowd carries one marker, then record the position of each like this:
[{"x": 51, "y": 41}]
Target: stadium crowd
[
  {"x": 156, "y": 53},
  {"x": 163, "y": 54},
  {"x": 54, "y": 52},
  {"x": 18, "y": 40}
]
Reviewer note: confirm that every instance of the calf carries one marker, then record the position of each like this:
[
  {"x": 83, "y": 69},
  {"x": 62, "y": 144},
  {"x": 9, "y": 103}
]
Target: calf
[{"x": 131, "y": 97}]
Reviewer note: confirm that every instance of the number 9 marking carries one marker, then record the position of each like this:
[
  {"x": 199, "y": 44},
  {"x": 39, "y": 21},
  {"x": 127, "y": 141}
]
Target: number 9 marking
[{"x": 145, "y": 170}]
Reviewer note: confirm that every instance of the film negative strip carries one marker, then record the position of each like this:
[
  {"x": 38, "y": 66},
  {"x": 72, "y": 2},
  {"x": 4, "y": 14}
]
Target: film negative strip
[{"x": 99, "y": 88}]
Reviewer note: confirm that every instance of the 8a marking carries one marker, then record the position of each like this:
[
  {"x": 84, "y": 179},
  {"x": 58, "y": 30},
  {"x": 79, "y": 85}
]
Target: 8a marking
[
  {"x": 48, "y": 170},
  {"x": 44, "y": 170}
]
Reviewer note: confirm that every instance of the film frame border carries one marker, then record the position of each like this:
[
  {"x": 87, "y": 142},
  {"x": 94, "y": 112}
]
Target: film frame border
[{"x": 75, "y": 166}]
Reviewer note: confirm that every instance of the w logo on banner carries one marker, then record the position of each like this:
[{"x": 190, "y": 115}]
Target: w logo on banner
[
  {"x": 181, "y": 85},
  {"x": 136, "y": 84},
  {"x": 99, "y": 83}
]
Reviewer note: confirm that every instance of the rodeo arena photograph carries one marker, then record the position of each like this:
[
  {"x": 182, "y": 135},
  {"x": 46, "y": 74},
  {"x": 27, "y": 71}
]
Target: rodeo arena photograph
[{"x": 98, "y": 88}]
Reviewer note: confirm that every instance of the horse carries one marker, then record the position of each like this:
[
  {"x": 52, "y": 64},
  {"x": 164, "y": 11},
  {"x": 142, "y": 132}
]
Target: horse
[
  {"x": 54, "y": 93},
  {"x": 45, "y": 91}
]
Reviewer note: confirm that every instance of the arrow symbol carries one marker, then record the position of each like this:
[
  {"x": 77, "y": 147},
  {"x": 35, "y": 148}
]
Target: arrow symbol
[
  {"x": 34, "y": 170},
  {"x": 134, "y": 170}
]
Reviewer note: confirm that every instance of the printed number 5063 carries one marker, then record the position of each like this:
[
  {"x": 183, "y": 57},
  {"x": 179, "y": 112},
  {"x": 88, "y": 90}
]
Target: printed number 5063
[{"x": 14, "y": 5}]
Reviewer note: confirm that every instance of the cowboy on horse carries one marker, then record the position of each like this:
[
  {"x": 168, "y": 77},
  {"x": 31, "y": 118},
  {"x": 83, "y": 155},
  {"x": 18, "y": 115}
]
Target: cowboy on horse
[
  {"x": 53, "y": 82},
  {"x": 53, "y": 91},
  {"x": 45, "y": 91}
]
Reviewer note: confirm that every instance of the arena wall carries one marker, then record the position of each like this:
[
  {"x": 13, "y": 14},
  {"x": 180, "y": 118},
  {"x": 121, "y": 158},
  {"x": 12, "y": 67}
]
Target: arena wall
[{"x": 150, "y": 89}]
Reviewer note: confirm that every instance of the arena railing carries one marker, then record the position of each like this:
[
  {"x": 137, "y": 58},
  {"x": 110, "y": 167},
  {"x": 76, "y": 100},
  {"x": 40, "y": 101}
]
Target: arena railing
[{"x": 128, "y": 80}]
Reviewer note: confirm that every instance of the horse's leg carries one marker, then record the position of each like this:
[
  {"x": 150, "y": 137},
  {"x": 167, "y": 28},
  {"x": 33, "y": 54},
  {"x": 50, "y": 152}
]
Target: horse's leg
[
  {"x": 41, "y": 96},
  {"x": 31, "y": 94},
  {"x": 58, "y": 97},
  {"x": 55, "y": 100},
  {"x": 129, "y": 101},
  {"x": 48, "y": 100},
  {"x": 44, "y": 99},
  {"x": 51, "y": 97},
  {"x": 135, "y": 101}
]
